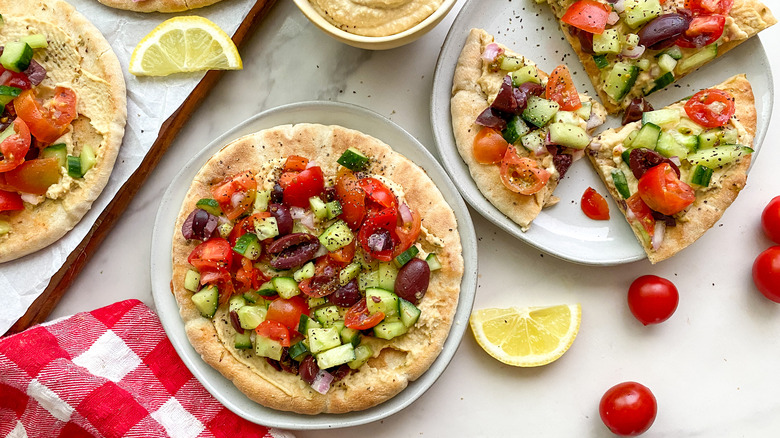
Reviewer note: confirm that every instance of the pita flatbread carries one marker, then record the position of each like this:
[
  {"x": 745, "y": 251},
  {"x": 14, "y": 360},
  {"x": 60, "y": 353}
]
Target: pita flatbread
[
  {"x": 158, "y": 5},
  {"x": 396, "y": 362}
]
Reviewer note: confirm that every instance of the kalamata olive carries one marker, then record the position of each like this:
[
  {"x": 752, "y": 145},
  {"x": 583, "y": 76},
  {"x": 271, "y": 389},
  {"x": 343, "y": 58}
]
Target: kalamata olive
[
  {"x": 293, "y": 250},
  {"x": 505, "y": 100},
  {"x": 641, "y": 160},
  {"x": 380, "y": 240},
  {"x": 287, "y": 364},
  {"x": 284, "y": 220},
  {"x": 635, "y": 109},
  {"x": 199, "y": 225},
  {"x": 346, "y": 296},
  {"x": 324, "y": 283},
  {"x": 662, "y": 29},
  {"x": 277, "y": 193},
  {"x": 491, "y": 119},
  {"x": 521, "y": 98},
  {"x": 308, "y": 369},
  {"x": 412, "y": 280},
  {"x": 235, "y": 322},
  {"x": 531, "y": 89},
  {"x": 669, "y": 221},
  {"x": 342, "y": 371},
  {"x": 330, "y": 193},
  {"x": 585, "y": 38},
  {"x": 562, "y": 162}
]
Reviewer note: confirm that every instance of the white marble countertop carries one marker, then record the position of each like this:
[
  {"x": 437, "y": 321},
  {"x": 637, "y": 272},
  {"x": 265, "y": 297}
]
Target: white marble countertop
[{"x": 712, "y": 366}]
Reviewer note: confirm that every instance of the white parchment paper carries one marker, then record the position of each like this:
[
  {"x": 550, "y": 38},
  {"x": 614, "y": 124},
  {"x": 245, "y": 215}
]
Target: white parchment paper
[{"x": 150, "y": 101}]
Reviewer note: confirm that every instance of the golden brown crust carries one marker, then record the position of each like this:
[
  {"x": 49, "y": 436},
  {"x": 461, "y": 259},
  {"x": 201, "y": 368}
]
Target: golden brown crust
[
  {"x": 709, "y": 205},
  {"x": 158, "y": 5},
  {"x": 396, "y": 362},
  {"x": 71, "y": 35}
]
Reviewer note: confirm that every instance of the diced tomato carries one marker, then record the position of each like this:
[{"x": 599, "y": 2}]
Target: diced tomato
[
  {"x": 711, "y": 108},
  {"x": 306, "y": 184},
  {"x": 274, "y": 330},
  {"x": 407, "y": 232},
  {"x": 709, "y": 6},
  {"x": 378, "y": 192},
  {"x": 47, "y": 122},
  {"x": 236, "y": 194},
  {"x": 15, "y": 147},
  {"x": 641, "y": 213},
  {"x": 287, "y": 177},
  {"x": 249, "y": 277},
  {"x": 325, "y": 280},
  {"x": 351, "y": 197},
  {"x": 288, "y": 311},
  {"x": 245, "y": 225},
  {"x": 382, "y": 222},
  {"x": 594, "y": 205},
  {"x": 10, "y": 201},
  {"x": 703, "y": 31},
  {"x": 663, "y": 191},
  {"x": 215, "y": 253},
  {"x": 489, "y": 146},
  {"x": 522, "y": 174},
  {"x": 588, "y": 15},
  {"x": 358, "y": 318},
  {"x": 560, "y": 88},
  {"x": 296, "y": 163},
  {"x": 345, "y": 254},
  {"x": 18, "y": 80},
  {"x": 34, "y": 176}
]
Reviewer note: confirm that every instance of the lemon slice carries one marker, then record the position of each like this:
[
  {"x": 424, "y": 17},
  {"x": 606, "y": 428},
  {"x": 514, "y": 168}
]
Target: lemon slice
[
  {"x": 526, "y": 337},
  {"x": 184, "y": 44}
]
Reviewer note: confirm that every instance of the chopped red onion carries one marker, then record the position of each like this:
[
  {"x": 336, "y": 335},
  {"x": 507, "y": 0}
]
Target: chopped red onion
[
  {"x": 406, "y": 214},
  {"x": 321, "y": 251},
  {"x": 613, "y": 18},
  {"x": 237, "y": 198},
  {"x": 577, "y": 154},
  {"x": 35, "y": 72},
  {"x": 594, "y": 145},
  {"x": 594, "y": 121},
  {"x": 297, "y": 212},
  {"x": 491, "y": 52},
  {"x": 619, "y": 6},
  {"x": 633, "y": 52},
  {"x": 658, "y": 234},
  {"x": 5, "y": 76},
  {"x": 308, "y": 219},
  {"x": 380, "y": 240},
  {"x": 676, "y": 160},
  {"x": 322, "y": 382}
]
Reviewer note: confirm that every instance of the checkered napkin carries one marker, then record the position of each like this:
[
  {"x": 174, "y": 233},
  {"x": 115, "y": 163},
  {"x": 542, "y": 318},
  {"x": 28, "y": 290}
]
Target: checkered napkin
[{"x": 111, "y": 372}]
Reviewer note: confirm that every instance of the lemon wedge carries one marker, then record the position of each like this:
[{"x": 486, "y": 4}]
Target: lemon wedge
[
  {"x": 184, "y": 44},
  {"x": 526, "y": 337}
]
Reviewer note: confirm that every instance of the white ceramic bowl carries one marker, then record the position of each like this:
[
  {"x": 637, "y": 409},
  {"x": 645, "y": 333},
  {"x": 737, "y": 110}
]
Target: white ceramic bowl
[{"x": 375, "y": 43}]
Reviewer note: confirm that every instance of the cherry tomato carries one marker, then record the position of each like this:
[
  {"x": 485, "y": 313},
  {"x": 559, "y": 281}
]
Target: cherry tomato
[
  {"x": 703, "y": 31},
  {"x": 10, "y": 201},
  {"x": 306, "y": 184},
  {"x": 766, "y": 273},
  {"x": 296, "y": 163},
  {"x": 641, "y": 213},
  {"x": 15, "y": 147},
  {"x": 248, "y": 276},
  {"x": 378, "y": 192},
  {"x": 212, "y": 254},
  {"x": 489, "y": 146},
  {"x": 628, "y": 409},
  {"x": 588, "y": 15},
  {"x": 652, "y": 299},
  {"x": 245, "y": 225},
  {"x": 274, "y": 330},
  {"x": 34, "y": 176},
  {"x": 711, "y": 108},
  {"x": 594, "y": 205},
  {"x": 47, "y": 123},
  {"x": 17, "y": 80},
  {"x": 358, "y": 318},
  {"x": 521, "y": 174},
  {"x": 770, "y": 220},
  {"x": 407, "y": 232},
  {"x": 288, "y": 311},
  {"x": 235, "y": 194},
  {"x": 384, "y": 222},
  {"x": 663, "y": 191},
  {"x": 709, "y": 6},
  {"x": 325, "y": 280},
  {"x": 345, "y": 254},
  {"x": 560, "y": 88},
  {"x": 351, "y": 197}
]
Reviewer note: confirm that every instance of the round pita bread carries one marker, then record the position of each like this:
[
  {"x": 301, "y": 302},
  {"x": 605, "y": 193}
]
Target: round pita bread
[
  {"x": 396, "y": 362},
  {"x": 79, "y": 57},
  {"x": 157, "y": 5}
]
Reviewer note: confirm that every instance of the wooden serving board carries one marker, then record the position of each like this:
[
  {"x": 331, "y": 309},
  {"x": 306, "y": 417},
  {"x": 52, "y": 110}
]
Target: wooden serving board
[{"x": 61, "y": 281}]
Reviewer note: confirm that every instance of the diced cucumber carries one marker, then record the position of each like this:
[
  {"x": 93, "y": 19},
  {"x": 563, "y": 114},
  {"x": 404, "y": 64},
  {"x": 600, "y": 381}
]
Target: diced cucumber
[
  {"x": 192, "y": 280},
  {"x": 248, "y": 246},
  {"x": 350, "y": 336},
  {"x": 298, "y": 351},
  {"x": 406, "y": 256},
  {"x": 16, "y": 56},
  {"x": 249, "y": 317},
  {"x": 675, "y": 52},
  {"x": 620, "y": 80},
  {"x": 600, "y": 61},
  {"x": 701, "y": 175},
  {"x": 585, "y": 110},
  {"x": 333, "y": 209},
  {"x": 306, "y": 271},
  {"x": 409, "y": 312},
  {"x": 58, "y": 151},
  {"x": 569, "y": 135},
  {"x": 688, "y": 127},
  {"x": 74, "y": 167},
  {"x": 267, "y": 289},
  {"x": 327, "y": 315},
  {"x": 619, "y": 179},
  {"x": 433, "y": 262},
  {"x": 639, "y": 12},
  {"x": 647, "y": 136},
  {"x": 315, "y": 302},
  {"x": 286, "y": 287},
  {"x": 643, "y": 64},
  {"x": 660, "y": 83},
  {"x": 225, "y": 229},
  {"x": 631, "y": 40},
  {"x": 698, "y": 58},
  {"x": 253, "y": 297},
  {"x": 567, "y": 117},
  {"x": 321, "y": 339},
  {"x": 540, "y": 111},
  {"x": 35, "y": 41},
  {"x": 389, "y": 329},
  {"x": 210, "y": 205},
  {"x": 243, "y": 341},
  {"x": 318, "y": 207},
  {"x": 353, "y": 160},
  {"x": 668, "y": 146},
  {"x": 9, "y": 131},
  {"x": 88, "y": 158},
  {"x": 262, "y": 199},
  {"x": 368, "y": 279},
  {"x": 626, "y": 154},
  {"x": 709, "y": 138},
  {"x": 381, "y": 300},
  {"x": 667, "y": 63},
  {"x": 266, "y": 347},
  {"x": 236, "y": 302},
  {"x": 266, "y": 228},
  {"x": 349, "y": 272},
  {"x": 719, "y": 156},
  {"x": 690, "y": 142},
  {"x": 7, "y": 94},
  {"x": 362, "y": 354},
  {"x": 515, "y": 129},
  {"x": 607, "y": 42},
  {"x": 387, "y": 274},
  {"x": 336, "y": 356},
  {"x": 336, "y": 236},
  {"x": 529, "y": 73},
  {"x": 206, "y": 301},
  {"x": 511, "y": 63},
  {"x": 306, "y": 323},
  {"x": 533, "y": 141}
]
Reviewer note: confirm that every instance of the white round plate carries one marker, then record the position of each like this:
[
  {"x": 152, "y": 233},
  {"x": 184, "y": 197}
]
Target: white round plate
[
  {"x": 563, "y": 230},
  {"x": 326, "y": 113}
]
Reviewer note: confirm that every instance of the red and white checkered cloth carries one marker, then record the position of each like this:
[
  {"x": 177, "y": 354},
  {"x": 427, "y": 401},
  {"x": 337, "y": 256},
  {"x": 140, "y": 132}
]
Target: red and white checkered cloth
[{"x": 111, "y": 372}]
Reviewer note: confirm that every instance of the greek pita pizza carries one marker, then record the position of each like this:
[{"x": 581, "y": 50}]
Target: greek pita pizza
[
  {"x": 316, "y": 268},
  {"x": 631, "y": 48}
]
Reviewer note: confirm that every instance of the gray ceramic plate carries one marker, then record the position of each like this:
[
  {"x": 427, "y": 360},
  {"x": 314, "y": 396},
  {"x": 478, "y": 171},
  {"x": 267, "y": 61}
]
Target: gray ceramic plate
[
  {"x": 327, "y": 113},
  {"x": 563, "y": 230}
]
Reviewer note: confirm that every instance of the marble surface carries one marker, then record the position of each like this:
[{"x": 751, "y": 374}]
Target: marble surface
[{"x": 712, "y": 366}]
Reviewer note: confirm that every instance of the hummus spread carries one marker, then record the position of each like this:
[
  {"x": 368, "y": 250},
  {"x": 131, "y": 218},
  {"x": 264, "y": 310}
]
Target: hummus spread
[{"x": 375, "y": 17}]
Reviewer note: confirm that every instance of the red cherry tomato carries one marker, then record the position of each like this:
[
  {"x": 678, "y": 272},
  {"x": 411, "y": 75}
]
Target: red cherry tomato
[
  {"x": 248, "y": 276},
  {"x": 358, "y": 318},
  {"x": 766, "y": 273},
  {"x": 235, "y": 194},
  {"x": 17, "y": 80},
  {"x": 709, "y": 6},
  {"x": 663, "y": 191},
  {"x": 711, "y": 108},
  {"x": 489, "y": 146},
  {"x": 703, "y": 31},
  {"x": 288, "y": 311},
  {"x": 47, "y": 123},
  {"x": 377, "y": 192},
  {"x": 306, "y": 184},
  {"x": 521, "y": 174},
  {"x": 274, "y": 330},
  {"x": 628, "y": 409},
  {"x": 407, "y": 232},
  {"x": 212, "y": 254},
  {"x": 641, "y": 213},
  {"x": 560, "y": 88},
  {"x": 351, "y": 197},
  {"x": 34, "y": 176},
  {"x": 588, "y": 15},
  {"x": 594, "y": 205},
  {"x": 15, "y": 147},
  {"x": 770, "y": 220},
  {"x": 296, "y": 163},
  {"x": 652, "y": 299},
  {"x": 379, "y": 222},
  {"x": 10, "y": 201}
]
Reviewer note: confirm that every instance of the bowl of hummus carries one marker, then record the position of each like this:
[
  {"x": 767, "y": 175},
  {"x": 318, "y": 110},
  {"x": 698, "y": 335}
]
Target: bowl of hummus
[{"x": 375, "y": 24}]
